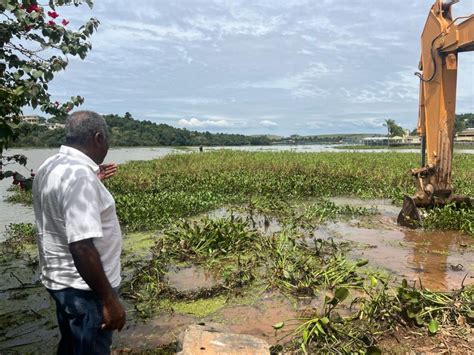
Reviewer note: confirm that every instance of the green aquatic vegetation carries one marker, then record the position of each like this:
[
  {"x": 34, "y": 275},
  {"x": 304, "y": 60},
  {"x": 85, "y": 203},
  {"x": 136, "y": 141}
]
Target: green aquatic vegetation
[
  {"x": 151, "y": 194},
  {"x": 209, "y": 238},
  {"x": 422, "y": 307},
  {"x": 450, "y": 218},
  {"x": 138, "y": 245},
  {"x": 200, "y": 307},
  {"x": 217, "y": 244},
  {"x": 324, "y": 210},
  {"x": 378, "y": 309},
  {"x": 20, "y": 239},
  {"x": 24, "y": 197},
  {"x": 296, "y": 267}
]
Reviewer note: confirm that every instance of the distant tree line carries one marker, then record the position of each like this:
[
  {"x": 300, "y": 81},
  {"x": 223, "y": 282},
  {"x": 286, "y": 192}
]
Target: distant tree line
[
  {"x": 463, "y": 121},
  {"x": 126, "y": 131}
]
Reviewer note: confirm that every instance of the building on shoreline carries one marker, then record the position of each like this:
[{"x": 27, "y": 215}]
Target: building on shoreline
[
  {"x": 392, "y": 141},
  {"x": 466, "y": 136},
  {"x": 40, "y": 121},
  {"x": 32, "y": 119}
]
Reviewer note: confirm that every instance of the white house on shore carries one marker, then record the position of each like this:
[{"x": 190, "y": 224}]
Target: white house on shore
[
  {"x": 397, "y": 140},
  {"x": 37, "y": 120},
  {"x": 31, "y": 119},
  {"x": 466, "y": 136}
]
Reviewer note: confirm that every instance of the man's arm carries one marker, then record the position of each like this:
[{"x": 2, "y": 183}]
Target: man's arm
[{"x": 88, "y": 264}]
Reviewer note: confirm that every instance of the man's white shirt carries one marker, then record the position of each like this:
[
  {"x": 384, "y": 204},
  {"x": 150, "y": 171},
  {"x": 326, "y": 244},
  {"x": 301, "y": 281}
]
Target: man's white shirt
[{"x": 72, "y": 204}]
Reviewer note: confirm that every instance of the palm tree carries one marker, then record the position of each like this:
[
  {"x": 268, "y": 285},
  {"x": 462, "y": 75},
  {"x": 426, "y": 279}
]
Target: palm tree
[{"x": 389, "y": 123}]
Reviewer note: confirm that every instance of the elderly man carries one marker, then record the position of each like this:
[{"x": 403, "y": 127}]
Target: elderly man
[{"x": 79, "y": 237}]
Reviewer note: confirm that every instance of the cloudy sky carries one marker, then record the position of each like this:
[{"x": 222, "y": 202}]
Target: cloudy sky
[{"x": 257, "y": 66}]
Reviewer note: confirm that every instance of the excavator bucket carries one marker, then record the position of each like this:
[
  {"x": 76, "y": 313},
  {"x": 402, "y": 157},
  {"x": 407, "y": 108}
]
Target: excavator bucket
[{"x": 409, "y": 216}]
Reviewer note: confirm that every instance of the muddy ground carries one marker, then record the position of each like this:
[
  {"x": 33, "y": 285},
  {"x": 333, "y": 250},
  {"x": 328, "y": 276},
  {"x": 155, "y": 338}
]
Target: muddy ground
[{"x": 439, "y": 260}]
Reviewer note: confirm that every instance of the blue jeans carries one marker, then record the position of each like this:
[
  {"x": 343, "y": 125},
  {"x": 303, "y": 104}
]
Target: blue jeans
[{"x": 79, "y": 316}]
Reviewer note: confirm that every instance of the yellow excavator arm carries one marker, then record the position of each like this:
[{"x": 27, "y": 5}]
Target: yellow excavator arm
[{"x": 442, "y": 39}]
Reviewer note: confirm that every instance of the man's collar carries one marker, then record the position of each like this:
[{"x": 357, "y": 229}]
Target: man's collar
[{"x": 77, "y": 154}]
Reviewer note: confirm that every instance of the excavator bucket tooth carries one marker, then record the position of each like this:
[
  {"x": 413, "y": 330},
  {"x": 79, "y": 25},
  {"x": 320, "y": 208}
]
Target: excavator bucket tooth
[{"x": 409, "y": 216}]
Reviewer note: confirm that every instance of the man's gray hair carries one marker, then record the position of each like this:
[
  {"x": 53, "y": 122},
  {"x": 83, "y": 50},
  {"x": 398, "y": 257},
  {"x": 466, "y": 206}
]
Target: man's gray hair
[{"x": 83, "y": 125}]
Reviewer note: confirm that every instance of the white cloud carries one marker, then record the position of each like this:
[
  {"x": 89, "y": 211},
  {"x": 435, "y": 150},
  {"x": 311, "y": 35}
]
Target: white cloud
[
  {"x": 402, "y": 87},
  {"x": 248, "y": 25},
  {"x": 117, "y": 33},
  {"x": 301, "y": 85},
  {"x": 197, "y": 123},
  {"x": 190, "y": 100},
  {"x": 305, "y": 52},
  {"x": 268, "y": 123}
]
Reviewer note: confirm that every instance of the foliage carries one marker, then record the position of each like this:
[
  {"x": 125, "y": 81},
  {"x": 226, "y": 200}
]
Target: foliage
[
  {"x": 450, "y": 218},
  {"x": 358, "y": 306},
  {"x": 210, "y": 238},
  {"x": 296, "y": 267},
  {"x": 30, "y": 35},
  {"x": 23, "y": 183},
  {"x": 463, "y": 121},
  {"x": 393, "y": 129},
  {"x": 127, "y": 131},
  {"x": 324, "y": 210},
  {"x": 378, "y": 310},
  {"x": 151, "y": 194},
  {"x": 19, "y": 235},
  {"x": 19, "y": 195}
]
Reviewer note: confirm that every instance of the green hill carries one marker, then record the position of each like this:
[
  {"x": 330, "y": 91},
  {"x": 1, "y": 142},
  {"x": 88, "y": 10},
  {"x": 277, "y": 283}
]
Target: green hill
[{"x": 126, "y": 131}]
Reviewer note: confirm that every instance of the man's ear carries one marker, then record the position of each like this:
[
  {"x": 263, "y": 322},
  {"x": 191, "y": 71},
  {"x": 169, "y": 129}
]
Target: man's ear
[{"x": 99, "y": 138}]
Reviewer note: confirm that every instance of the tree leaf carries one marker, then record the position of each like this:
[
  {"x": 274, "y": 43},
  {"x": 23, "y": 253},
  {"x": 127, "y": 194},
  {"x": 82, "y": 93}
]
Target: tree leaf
[
  {"x": 278, "y": 325},
  {"x": 373, "y": 281},
  {"x": 324, "y": 320},
  {"x": 433, "y": 327},
  {"x": 37, "y": 73},
  {"x": 339, "y": 296},
  {"x": 362, "y": 263}
]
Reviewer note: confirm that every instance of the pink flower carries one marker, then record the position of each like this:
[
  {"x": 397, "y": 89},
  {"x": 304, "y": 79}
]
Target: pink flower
[
  {"x": 65, "y": 22},
  {"x": 33, "y": 8},
  {"x": 53, "y": 14},
  {"x": 51, "y": 23}
]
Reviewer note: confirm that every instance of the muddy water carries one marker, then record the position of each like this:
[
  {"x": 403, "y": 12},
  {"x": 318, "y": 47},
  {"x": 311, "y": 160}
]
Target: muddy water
[
  {"x": 258, "y": 319},
  {"x": 191, "y": 279},
  {"x": 441, "y": 260}
]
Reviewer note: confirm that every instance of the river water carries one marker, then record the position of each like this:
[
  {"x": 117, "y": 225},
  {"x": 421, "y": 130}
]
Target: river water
[{"x": 18, "y": 213}]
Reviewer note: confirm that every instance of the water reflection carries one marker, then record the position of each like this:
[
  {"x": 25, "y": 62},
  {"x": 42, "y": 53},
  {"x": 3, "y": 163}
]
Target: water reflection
[
  {"x": 436, "y": 256},
  {"x": 432, "y": 257}
]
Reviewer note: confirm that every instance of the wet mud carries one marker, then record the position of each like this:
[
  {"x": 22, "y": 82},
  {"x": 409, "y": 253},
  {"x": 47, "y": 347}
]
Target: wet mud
[{"x": 258, "y": 319}]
